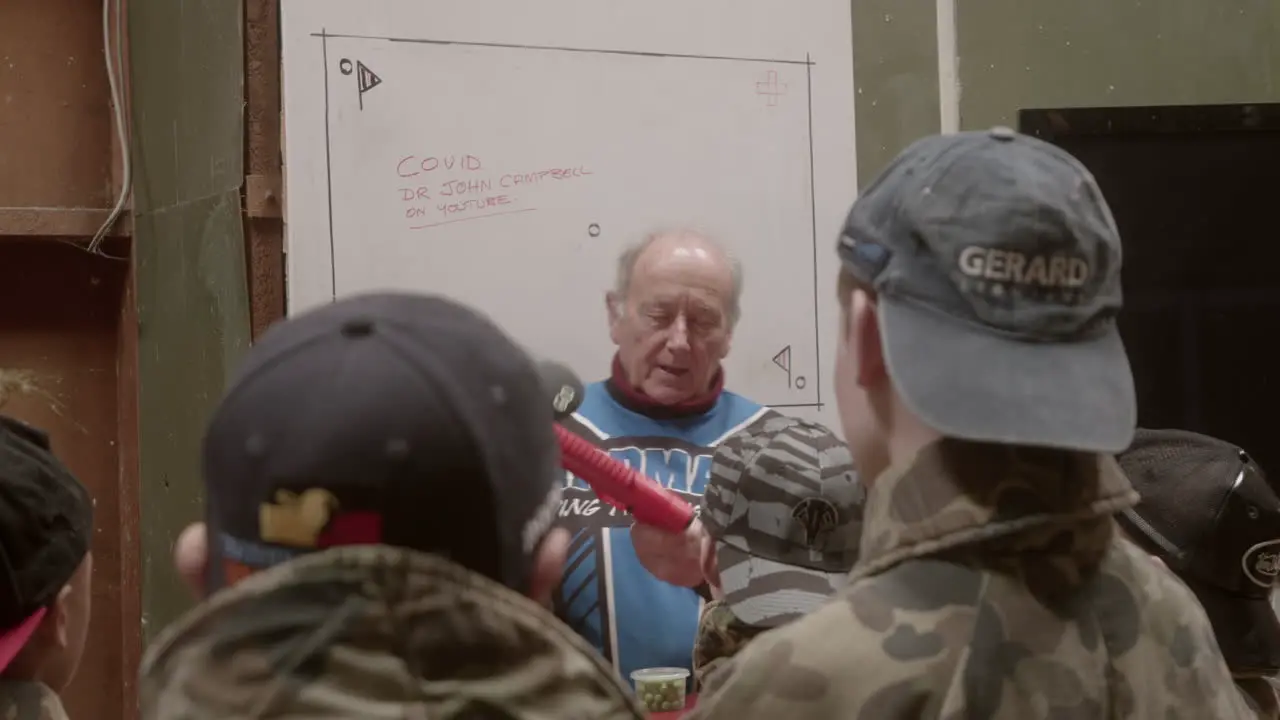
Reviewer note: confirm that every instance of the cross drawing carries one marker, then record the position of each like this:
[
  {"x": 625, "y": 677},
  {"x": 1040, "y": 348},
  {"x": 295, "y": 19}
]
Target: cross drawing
[{"x": 771, "y": 88}]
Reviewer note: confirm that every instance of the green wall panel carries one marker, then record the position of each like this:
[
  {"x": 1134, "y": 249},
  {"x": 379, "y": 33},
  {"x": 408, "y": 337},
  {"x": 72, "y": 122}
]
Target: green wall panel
[
  {"x": 1016, "y": 54},
  {"x": 895, "y": 73},
  {"x": 187, "y": 73}
]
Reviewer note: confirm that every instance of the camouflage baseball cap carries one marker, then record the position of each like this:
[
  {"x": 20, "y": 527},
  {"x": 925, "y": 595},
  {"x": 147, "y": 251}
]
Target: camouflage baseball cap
[
  {"x": 375, "y": 631},
  {"x": 785, "y": 507}
]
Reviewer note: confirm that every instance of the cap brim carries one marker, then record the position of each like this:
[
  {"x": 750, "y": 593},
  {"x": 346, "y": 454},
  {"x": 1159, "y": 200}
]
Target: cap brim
[
  {"x": 13, "y": 640},
  {"x": 1247, "y": 629},
  {"x": 764, "y": 593},
  {"x": 980, "y": 386}
]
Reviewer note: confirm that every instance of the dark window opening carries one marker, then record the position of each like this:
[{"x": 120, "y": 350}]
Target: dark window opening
[{"x": 1195, "y": 192}]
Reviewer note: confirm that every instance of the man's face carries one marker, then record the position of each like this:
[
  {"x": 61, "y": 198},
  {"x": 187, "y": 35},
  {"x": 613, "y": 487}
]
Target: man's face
[{"x": 673, "y": 327}]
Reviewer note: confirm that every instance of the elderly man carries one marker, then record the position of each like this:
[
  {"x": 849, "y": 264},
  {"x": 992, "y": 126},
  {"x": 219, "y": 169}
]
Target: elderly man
[
  {"x": 662, "y": 410},
  {"x": 983, "y": 388}
]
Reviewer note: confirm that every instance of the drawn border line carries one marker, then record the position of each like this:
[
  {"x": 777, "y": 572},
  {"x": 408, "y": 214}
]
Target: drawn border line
[
  {"x": 813, "y": 229},
  {"x": 807, "y": 62},
  {"x": 328, "y": 166},
  {"x": 555, "y": 48}
]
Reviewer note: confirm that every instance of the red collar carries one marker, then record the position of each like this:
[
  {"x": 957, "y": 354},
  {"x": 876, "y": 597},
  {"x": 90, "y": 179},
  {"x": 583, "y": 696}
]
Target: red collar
[{"x": 633, "y": 399}]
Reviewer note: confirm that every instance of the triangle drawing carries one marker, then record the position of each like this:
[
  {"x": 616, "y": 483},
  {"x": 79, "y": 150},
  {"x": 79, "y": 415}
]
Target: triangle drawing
[
  {"x": 783, "y": 358},
  {"x": 365, "y": 78}
]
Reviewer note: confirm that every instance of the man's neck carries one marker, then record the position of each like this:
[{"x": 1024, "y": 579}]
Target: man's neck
[
  {"x": 903, "y": 442},
  {"x": 905, "y": 445},
  {"x": 632, "y": 398}
]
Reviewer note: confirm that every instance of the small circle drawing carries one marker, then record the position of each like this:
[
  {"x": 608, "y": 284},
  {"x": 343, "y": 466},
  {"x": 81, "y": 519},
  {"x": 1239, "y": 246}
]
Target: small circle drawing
[
  {"x": 800, "y": 382},
  {"x": 593, "y": 230},
  {"x": 344, "y": 66}
]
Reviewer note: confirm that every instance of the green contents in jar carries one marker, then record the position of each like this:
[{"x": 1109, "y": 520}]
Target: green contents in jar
[
  {"x": 662, "y": 695},
  {"x": 660, "y": 689}
]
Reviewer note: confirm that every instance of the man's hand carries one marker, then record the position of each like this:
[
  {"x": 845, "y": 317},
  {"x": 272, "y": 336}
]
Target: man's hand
[{"x": 674, "y": 558}]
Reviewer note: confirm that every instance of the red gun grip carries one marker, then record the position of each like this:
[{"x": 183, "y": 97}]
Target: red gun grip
[{"x": 621, "y": 486}]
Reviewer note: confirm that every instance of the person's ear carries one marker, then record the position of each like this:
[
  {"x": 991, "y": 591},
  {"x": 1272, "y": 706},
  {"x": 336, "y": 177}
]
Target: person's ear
[
  {"x": 58, "y": 618},
  {"x": 613, "y": 307},
  {"x": 191, "y": 557},
  {"x": 548, "y": 566},
  {"x": 864, "y": 335}
]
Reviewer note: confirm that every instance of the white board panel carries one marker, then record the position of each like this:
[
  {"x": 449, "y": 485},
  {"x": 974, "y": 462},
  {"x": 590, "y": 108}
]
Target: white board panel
[{"x": 502, "y": 152}]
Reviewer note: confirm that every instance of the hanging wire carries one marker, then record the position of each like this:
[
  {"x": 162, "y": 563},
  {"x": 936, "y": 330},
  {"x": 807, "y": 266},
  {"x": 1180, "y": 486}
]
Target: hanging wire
[{"x": 114, "y": 55}]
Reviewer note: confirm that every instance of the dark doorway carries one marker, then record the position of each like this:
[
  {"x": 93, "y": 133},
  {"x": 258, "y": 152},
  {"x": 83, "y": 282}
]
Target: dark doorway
[{"x": 1196, "y": 193}]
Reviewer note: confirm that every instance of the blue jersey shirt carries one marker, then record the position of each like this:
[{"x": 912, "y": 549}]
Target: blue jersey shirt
[{"x": 634, "y": 619}]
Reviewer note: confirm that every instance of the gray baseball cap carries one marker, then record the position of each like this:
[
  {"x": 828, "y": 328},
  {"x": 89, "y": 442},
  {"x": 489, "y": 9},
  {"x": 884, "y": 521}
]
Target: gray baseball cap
[
  {"x": 996, "y": 263},
  {"x": 785, "y": 508}
]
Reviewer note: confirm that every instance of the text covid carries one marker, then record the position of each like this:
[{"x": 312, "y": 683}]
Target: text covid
[{"x": 440, "y": 189}]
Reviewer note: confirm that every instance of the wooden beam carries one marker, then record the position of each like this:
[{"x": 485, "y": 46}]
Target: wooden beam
[
  {"x": 264, "y": 194},
  {"x": 129, "y": 485},
  {"x": 60, "y": 222}
]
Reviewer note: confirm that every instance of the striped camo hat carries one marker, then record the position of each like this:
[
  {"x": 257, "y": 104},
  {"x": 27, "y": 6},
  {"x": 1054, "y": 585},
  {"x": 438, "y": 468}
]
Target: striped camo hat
[{"x": 785, "y": 508}]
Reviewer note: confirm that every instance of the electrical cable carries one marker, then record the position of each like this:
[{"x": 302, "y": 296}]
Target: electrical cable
[{"x": 114, "y": 68}]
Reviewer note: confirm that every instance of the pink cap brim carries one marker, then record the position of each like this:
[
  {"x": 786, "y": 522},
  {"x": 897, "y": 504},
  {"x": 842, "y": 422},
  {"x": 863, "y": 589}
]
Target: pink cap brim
[{"x": 13, "y": 640}]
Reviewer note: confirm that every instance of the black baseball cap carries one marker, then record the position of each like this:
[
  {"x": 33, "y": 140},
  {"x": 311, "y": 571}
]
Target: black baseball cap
[
  {"x": 46, "y": 523},
  {"x": 391, "y": 418},
  {"x": 996, "y": 264},
  {"x": 1210, "y": 513}
]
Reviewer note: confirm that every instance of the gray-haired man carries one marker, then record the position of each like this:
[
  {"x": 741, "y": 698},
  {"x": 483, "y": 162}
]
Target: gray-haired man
[{"x": 663, "y": 410}]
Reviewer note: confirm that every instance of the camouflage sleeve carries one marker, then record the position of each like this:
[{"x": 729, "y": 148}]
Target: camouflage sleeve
[
  {"x": 720, "y": 636},
  {"x": 29, "y": 701},
  {"x": 703, "y": 671},
  {"x": 798, "y": 672},
  {"x": 1260, "y": 695}
]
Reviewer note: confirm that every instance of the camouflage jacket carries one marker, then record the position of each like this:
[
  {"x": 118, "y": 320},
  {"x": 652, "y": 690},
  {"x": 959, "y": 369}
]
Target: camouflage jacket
[
  {"x": 375, "y": 632},
  {"x": 29, "y": 701},
  {"x": 720, "y": 636},
  {"x": 992, "y": 584},
  {"x": 1260, "y": 694}
]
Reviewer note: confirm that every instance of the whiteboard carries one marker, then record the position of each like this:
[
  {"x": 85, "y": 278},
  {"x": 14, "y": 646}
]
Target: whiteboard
[{"x": 503, "y": 152}]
